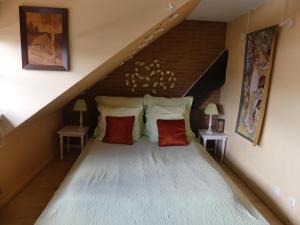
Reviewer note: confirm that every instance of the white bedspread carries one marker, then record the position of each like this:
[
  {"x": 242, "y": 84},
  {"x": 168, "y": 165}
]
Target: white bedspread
[{"x": 147, "y": 185}]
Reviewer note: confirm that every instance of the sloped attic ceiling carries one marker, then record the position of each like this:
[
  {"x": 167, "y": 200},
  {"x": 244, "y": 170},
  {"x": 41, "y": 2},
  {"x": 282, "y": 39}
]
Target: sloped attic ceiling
[
  {"x": 224, "y": 11},
  {"x": 103, "y": 33}
]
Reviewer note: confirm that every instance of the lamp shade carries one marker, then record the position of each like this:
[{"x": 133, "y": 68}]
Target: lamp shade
[
  {"x": 211, "y": 109},
  {"x": 80, "y": 105}
]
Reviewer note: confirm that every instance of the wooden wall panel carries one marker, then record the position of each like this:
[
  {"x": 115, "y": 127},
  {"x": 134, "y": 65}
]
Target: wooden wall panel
[{"x": 187, "y": 50}]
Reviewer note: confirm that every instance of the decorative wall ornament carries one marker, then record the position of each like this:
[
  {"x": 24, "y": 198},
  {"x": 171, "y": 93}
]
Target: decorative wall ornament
[
  {"x": 260, "y": 46},
  {"x": 150, "y": 77},
  {"x": 44, "y": 38}
]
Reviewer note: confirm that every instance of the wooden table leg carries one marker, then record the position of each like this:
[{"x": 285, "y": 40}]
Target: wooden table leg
[
  {"x": 216, "y": 146},
  {"x": 204, "y": 142},
  {"x": 68, "y": 141},
  {"x": 61, "y": 147},
  {"x": 85, "y": 139},
  {"x": 223, "y": 149},
  {"x": 81, "y": 142}
]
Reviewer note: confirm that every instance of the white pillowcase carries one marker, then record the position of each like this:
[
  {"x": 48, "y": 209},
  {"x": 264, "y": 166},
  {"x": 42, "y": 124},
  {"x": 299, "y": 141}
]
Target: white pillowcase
[
  {"x": 172, "y": 102},
  {"x": 120, "y": 112},
  {"x": 153, "y": 113},
  {"x": 112, "y": 101},
  {"x": 121, "y": 102}
]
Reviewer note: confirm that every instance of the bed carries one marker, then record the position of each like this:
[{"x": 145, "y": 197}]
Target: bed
[{"x": 144, "y": 184}]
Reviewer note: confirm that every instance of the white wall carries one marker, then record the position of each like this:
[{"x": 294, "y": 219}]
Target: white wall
[
  {"x": 276, "y": 160},
  {"x": 99, "y": 29}
]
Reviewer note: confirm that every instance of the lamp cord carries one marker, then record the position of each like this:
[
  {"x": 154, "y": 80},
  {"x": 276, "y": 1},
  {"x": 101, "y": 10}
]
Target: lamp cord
[
  {"x": 248, "y": 21},
  {"x": 285, "y": 11}
]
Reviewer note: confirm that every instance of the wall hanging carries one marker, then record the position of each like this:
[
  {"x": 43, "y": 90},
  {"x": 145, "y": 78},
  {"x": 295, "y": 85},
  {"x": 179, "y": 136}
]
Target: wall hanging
[
  {"x": 220, "y": 125},
  {"x": 44, "y": 38},
  {"x": 257, "y": 71},
  {"x": 150, "y": 77}
]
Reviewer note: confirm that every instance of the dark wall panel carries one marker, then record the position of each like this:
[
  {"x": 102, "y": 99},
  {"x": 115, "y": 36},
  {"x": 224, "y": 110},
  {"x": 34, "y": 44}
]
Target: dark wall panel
[{"x": 186, "y": 51}]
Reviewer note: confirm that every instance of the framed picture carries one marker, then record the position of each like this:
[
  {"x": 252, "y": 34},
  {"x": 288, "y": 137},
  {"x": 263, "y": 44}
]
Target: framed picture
[
  {"x": 221, "y": 125},
  {"x": 260, "y": 47},
  {"x": 44, "y": 38}
]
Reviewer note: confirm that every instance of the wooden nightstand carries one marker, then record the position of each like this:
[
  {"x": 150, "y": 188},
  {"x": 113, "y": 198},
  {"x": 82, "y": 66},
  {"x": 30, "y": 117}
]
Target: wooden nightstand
[
  {"x": 216, "y": 137},
  {"x": 72, "y": 131}
]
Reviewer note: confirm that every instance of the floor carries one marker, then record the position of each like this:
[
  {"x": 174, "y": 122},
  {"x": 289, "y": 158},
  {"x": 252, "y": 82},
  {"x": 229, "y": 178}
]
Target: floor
[
  {"x": 25, "y": 208},
  {"x": 259, "y": 205}
]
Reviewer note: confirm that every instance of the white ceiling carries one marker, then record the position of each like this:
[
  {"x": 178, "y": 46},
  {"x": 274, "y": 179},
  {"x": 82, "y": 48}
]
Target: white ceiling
[{"x": 223, "y": 10}]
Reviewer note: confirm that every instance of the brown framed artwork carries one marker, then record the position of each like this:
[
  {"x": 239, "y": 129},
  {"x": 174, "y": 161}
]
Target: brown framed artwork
[
  {"x": 221, "y": 125},
  {"x": 44, "y": 38},
  {"x": 260, "y": 48}
]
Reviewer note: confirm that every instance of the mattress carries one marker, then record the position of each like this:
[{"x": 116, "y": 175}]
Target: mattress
[{"x": 144, "y": 184}]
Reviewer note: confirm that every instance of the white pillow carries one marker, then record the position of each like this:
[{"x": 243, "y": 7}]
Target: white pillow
[
  {"x": 110, "y": 111},
  {"x": 112, "y": 101},
  {"x": 153, "y": 113},
  {"x": 119, "y": 102},
  {"x": 171, "y": 102},
  {"x": 97, "y": 129}
]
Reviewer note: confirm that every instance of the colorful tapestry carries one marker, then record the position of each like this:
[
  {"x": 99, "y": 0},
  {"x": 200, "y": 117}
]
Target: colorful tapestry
[{"x": 257, "y": 71}]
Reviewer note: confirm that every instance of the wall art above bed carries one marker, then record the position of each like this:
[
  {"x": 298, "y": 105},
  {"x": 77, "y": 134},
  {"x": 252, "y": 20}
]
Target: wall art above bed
[
  {"x": 260, "y": 47},
  {"x": 150, "y": 77}
]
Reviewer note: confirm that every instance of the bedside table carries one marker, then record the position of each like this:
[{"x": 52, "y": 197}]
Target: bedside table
[
  {"x": 216, "y": 136},
  {"x": 72, "y": 131}
]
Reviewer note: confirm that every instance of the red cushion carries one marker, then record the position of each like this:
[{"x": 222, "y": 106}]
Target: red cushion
[
  {"x": 171, "y": 133},
  {"x": 119, "y": 130}
]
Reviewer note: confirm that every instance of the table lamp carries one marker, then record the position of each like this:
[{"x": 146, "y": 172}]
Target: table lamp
[
  {"x": 80, "y": 105},
  {"x": 211, "y": 110}
]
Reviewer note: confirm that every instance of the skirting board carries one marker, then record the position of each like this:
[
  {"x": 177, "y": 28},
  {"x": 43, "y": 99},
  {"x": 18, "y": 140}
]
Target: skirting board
[
  {"x": 258, "y": 191},
  {"x": 6, "y": 199}
]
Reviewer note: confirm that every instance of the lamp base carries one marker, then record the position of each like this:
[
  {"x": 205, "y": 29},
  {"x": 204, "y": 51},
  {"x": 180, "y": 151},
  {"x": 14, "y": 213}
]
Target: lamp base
[
  {"x": 80, "y": 120},
  {"x": 209, "y": 132}
]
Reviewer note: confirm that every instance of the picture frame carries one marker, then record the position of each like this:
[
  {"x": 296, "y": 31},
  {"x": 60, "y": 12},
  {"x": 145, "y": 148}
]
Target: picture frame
[
  {"x": 259, "y": 55},
  {"x": 44, "y": 38},
  {"x": 220, "y": 125}
]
